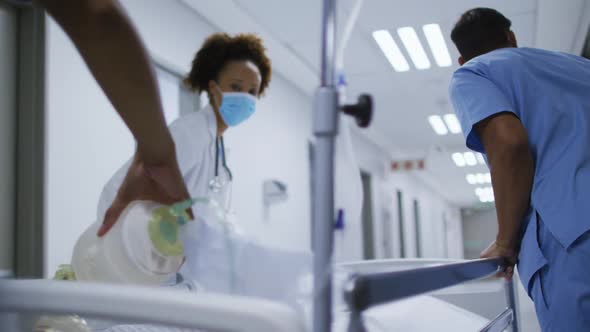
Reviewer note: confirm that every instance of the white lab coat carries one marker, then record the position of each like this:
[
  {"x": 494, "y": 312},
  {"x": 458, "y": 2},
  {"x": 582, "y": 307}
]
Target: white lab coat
[
  {"x": 194, "y": 136},
  {"x": 262, "y": 271},
  {"x": 231, "y": 262}
]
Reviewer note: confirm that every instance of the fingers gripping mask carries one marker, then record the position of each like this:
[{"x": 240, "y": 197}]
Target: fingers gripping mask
[{"x": 236, "y": 107}]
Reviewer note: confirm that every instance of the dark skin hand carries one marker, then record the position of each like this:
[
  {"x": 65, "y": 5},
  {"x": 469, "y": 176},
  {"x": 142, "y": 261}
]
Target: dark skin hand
[
  {"x": 146, "y": 182},
  {"x": 511, "y": 163}
]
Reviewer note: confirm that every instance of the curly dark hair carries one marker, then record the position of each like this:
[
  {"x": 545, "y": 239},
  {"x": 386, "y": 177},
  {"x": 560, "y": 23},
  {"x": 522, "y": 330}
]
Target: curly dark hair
[{"x": 221, "y": 48}]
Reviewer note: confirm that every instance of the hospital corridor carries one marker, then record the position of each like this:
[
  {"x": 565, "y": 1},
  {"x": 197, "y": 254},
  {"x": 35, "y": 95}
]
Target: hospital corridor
[{"x": 294, "y": 165}]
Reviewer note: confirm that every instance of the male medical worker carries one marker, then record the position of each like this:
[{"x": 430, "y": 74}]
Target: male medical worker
[
  {"x": 528, "y": 111},
  {"x": 114, "y": 53}
]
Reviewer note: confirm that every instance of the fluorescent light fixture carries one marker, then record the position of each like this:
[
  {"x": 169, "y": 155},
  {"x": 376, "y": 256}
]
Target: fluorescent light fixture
[
  {"x": 486, "y": 199},
  {"x": 391, "y": 51},
  {"x": 437, "y": 44},
  {"x": 414, "y": 47},
  {"x": 480, "y": 158},
  {"x": 459, "y": 159},
  {"x": 480, "y": 178},
  {"x": 470, "y": 158},
  {"x": 485, "y": 194},
  {"x": 438, "y": 125},
  {"x": 452, "y": 123}
]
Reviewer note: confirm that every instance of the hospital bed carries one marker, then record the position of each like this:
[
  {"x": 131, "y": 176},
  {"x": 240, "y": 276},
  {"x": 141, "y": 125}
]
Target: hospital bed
[
  {"x": 209, "y": 312},
  {"x": 375, "y": 283},
  {"x": 367, "y": 284}
]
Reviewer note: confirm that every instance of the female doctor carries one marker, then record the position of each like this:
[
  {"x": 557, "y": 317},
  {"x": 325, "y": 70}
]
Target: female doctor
[{"x": 234, "y": 71}]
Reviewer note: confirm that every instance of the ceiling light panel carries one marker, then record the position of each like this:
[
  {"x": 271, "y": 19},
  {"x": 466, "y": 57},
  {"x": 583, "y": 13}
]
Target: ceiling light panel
[
  {"x": 458, "y": 159},
  {"x": 437, "y": 45},
  {"x": 414, "y": 47},
  {"x": 452, "y": 123},
  {"x": 438, "y": 125},
  {"x": 485, "y": 194},
  {"x": 391, "y": 50},
  {"x": 480, "y": 158},
  {"x": 470, "y": 159},
  {"x": 479, "y": 178}
]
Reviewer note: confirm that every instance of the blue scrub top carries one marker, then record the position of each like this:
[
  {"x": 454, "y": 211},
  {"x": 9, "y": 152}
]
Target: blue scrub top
[{"x": 550, "y": 93}]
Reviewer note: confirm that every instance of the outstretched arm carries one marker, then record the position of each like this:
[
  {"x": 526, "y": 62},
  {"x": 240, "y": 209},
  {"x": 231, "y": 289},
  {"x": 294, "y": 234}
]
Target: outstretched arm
[{"x": 114, "y": 53}]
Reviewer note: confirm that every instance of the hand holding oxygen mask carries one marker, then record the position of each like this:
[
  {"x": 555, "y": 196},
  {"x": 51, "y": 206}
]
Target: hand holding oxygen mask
[
  {"x": 143, "y": 247},
  {"x": 159, "y": 182}
]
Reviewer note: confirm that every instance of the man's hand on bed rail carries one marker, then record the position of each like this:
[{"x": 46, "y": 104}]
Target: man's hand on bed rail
[{"x": 498, "y": 250}]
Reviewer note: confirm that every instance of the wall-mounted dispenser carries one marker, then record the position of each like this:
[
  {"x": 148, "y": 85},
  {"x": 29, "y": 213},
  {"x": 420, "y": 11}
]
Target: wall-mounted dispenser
[{"x": 274, "y": 191}]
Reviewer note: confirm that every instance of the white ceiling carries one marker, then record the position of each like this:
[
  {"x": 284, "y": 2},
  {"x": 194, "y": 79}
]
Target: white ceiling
[{"x": 404, "y": 100}]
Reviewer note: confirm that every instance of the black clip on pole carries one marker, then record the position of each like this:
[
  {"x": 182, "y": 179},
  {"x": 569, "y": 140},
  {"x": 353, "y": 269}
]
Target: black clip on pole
[{"x": 362, "y": 111}]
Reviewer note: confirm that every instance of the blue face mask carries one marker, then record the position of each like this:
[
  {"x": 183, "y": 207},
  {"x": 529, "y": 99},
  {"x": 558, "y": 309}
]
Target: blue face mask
[{"x": 236, "y": 107}]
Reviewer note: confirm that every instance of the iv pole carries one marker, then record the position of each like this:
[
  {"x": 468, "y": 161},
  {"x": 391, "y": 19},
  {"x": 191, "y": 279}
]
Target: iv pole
[{"x": 325, "y": 128}]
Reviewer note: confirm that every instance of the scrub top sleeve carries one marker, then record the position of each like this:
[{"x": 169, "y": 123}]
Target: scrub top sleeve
[{"x": 476, "y": 98}]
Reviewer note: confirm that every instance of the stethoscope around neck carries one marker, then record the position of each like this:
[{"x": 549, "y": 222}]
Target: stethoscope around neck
[{"x": 217, "y": 183}]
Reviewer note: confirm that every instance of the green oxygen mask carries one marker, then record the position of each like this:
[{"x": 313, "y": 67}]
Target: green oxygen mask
[
  {"x": 165, "y": 223},
  {"x": 143, "y": 247}
]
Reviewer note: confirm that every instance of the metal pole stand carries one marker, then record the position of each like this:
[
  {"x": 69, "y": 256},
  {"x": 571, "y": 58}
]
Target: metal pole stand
[{"x": 325, "y": 128}]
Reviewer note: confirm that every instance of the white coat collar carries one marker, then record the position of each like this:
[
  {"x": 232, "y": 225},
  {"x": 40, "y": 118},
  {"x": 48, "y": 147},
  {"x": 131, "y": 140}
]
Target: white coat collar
[{"x": 211, "y": 120}]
